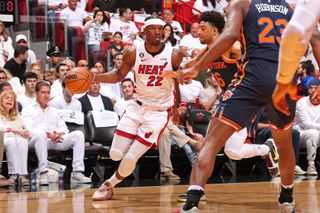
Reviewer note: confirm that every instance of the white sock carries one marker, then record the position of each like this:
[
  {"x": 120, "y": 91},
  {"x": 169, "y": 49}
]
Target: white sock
[
  {"x": 114, "y": 180},
  {"x": 311, "y": 163},
  {"x": 195, "y": 187},
  {"x": 288, "y": 187}
]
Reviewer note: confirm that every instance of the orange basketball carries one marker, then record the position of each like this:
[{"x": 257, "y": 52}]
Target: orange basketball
[{"x": 78, "y": 81}]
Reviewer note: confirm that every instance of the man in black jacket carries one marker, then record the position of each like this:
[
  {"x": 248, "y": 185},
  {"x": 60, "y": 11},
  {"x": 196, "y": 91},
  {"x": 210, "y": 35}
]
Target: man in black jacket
[{"x": 93, "y": 100}]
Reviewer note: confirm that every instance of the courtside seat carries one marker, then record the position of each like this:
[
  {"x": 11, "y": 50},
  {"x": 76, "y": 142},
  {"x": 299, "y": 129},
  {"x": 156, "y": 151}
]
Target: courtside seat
[
  {"x": 199, "y": 120},
  {"x": 101, "y": 127},
  {"x": 90, "y": 150},
  {"x": 102, "y": 131}
]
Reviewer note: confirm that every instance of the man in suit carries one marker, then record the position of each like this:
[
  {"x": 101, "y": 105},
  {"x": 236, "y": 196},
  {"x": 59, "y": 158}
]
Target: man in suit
[{"x": 94, "y": 101}]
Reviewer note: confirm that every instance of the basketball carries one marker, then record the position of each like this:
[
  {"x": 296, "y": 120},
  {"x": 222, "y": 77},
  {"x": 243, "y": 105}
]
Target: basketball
[{"x": 78, "y": 81}]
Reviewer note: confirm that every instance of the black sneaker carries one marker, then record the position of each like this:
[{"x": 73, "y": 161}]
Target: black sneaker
[
  {"x": 272, "y": 158},
  {"x": 183, "y": 198}
]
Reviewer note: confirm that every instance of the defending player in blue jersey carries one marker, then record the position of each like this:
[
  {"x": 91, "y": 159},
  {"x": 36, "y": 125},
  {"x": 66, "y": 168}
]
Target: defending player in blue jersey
[{"x": 259, "y": 23}]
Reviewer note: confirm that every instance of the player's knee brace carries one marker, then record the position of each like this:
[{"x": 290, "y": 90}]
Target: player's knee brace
[
  {"x": 232, "y": 153},
  {"x": 234, "y": 144},
  {"x": 119, "y": 147},
  {"x": 116, "y": 155},
  {"x": 128, "y": 164}
]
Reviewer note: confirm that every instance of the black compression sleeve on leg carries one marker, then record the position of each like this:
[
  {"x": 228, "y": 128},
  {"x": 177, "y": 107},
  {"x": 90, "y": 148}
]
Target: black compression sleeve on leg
[{"x": 286, "y": 195}]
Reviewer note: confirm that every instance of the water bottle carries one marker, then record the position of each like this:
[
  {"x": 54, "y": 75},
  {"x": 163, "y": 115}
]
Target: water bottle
[
  {"x": 33, "y": 177},
  {"x": 17, "y": 183},
  {"x": 33, "y": 188},
  {"x": 60, "y": 175}
]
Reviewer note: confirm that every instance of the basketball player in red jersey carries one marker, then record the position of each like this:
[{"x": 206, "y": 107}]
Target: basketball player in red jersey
[{"x": 148, "y": 113}]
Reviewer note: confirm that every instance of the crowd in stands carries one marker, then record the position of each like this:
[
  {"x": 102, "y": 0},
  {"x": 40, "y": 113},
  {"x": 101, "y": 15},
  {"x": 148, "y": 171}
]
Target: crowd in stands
[{"x": 34, "y": 98}]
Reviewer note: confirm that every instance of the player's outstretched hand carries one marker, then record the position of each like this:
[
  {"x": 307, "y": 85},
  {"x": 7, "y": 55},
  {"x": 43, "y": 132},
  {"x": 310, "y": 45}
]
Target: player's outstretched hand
[
  {"x": 170, "y": 74},
  {"x": 279, "y": 96},
  {"x": 181, "y": 75}
]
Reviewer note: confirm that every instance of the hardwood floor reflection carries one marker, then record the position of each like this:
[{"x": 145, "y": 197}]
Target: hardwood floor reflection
[{"x": 233, "y": 197}]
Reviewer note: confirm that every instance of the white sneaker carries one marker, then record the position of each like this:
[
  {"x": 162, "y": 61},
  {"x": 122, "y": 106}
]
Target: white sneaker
[
  {"x": 312, "y": 170},
  {"x": 78, "y": 177},
  {"x": 299, "y": 171},
  {"x": 287, "y": 207},
  {"x": 193, "y": 210},
  {"x": 43, "y": 179}
]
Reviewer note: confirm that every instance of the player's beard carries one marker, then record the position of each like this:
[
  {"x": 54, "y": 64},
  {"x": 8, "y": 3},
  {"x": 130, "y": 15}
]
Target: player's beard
[{"x": 156, "y": 43}]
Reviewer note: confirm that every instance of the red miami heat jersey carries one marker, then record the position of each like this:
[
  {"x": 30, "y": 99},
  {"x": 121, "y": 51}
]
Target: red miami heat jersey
[{"x": 151, "y": 88}]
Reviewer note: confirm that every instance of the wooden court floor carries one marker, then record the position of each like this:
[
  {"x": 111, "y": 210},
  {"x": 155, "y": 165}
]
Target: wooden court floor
[{"x": 223, "y": 198}]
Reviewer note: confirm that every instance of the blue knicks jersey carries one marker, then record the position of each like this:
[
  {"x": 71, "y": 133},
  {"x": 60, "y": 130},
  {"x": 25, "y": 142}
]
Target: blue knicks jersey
[
  {"x": 262, "y": 28},
  {"x": 224, "y": 70}
]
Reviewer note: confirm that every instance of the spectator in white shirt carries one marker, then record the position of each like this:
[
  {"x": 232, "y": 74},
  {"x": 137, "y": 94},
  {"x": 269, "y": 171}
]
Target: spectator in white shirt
[
  {"x": 96, "y": 28},
  {"x": 66, "y": 100},
  {"x": 73, "y": 18},
  {"x": 6, "y": 48},
  {"x": 49, "y": 131},
  {"x": 56, "y": 88},
  {"x": 308, "y": 123},
  {"x": 14, "y": 137},
  {"x": 5, "y": 76},
  {"x": 70, "y": 109},
  {"x": 208, "y": 5},
  {"x": 30, "y": 80},
  {"x": 191, "y": 41},
  {"x": 125, "y": 25},
  {"x": 127, "y": 88},
  {"x": 93, "y": 100},
  {"x": 168, "y": 16},
  {"x": 209, "y": 96},
  {"x": 190, "y": 91}
]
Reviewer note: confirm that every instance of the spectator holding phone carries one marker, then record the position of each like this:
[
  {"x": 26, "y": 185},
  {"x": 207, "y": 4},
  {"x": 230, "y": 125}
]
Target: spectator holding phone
[{"x": 95, "y": 30}]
